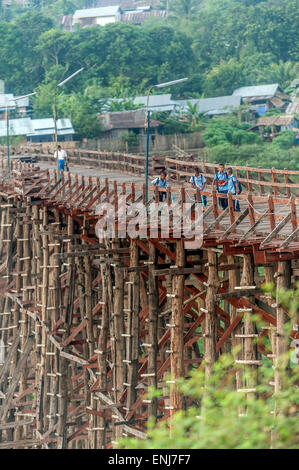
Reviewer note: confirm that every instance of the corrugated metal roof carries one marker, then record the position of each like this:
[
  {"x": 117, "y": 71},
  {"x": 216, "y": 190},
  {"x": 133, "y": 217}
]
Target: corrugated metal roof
[
  {"x": 96, "y": 12},
  {"x": 28, "y": 126},
  {"x": 258, "y": 90},
  {"x": 157, "y": 102},
  {"x": 126, "y": 120},
  {"x": 40, "y": 124},
  {"x": 217, "y": 105},
  {"x": 293, "y": 108},
  {"x": 138, "y": 17},
  {"x": 16, "y": 127}
]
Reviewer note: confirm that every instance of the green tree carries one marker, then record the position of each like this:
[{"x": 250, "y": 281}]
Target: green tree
[
  {"x": 283, "y": 72},
  {"x": 183, "y": 8},
  {"x": 220, "y": 417},
  {"x": 192, "y": 115},
  {"x": 227, "y": 130},
  {"x": 224, "y": 78},
  {"x": 20, "y": 67},
  {"x": 285, "y": 139},
  {"x": 81, "y": 112}
]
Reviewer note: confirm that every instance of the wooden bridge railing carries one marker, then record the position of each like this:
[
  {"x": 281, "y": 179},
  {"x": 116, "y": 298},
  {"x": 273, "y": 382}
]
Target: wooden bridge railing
[
  {"x": 273, "y": 216},
  {"x": 256, "y": 180},
  {"x": 278, "y": 182}
]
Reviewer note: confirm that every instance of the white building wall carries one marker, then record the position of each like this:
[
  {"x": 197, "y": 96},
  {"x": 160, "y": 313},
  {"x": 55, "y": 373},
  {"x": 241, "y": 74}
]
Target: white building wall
[{"x": 102, "y": 21}]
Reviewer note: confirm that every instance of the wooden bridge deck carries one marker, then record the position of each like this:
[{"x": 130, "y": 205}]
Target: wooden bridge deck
[
  {"x": 88, "y": 324},
  {"x": 263, "y": 218}
]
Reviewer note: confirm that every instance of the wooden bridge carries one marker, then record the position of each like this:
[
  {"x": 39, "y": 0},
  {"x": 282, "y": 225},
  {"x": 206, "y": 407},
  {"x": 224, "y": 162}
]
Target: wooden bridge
[{"x": 89, "y": 324}]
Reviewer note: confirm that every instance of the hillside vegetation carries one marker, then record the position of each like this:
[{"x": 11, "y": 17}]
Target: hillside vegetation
[{"x": 220, "y": 45}]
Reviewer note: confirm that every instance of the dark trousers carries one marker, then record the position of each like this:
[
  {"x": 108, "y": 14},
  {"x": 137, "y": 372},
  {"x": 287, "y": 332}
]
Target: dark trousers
[
  {"x": 162, "y": 196},
  {"x": 223, "y": 203}
]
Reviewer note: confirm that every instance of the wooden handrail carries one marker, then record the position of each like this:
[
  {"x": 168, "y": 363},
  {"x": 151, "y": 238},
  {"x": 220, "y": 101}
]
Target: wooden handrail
[{"x": 266, "y": 180}]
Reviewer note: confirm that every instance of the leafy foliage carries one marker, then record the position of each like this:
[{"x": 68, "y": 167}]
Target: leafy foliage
[
  {"x": 255, "y": 155},
  {"x": 220, "y": 417},
  {"x": 218, "y": 45},
  {"x": 225, "y": 130},
  {"x": 284, "y": 140}
]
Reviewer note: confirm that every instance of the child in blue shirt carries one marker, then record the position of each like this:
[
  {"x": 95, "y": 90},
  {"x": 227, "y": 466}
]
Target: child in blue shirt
[
  {"x": 198, "y": 181},
  {"x": 161, "y": 182},
  {"x": 221, "y": 180},
  {"x": 233, "y": 188}
]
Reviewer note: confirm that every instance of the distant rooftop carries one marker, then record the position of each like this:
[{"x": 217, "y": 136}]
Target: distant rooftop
[
  {"x": 276, "y": 121},
  {"x": 217, "y": 105},
  {"x": 139, "y": 16},
  {"x": 97, "y": 12},
  {"x": 126, "y": 120},
  {"x": 33, "y": 127},
  {"x": 157, "y": 102},
  {"x": 8, "y": 100},
  {"x": 257, "y": 90}
]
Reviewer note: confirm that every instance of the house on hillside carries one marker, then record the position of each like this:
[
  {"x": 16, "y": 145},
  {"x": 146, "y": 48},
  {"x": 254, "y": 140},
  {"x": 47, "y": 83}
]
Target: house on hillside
[
  {"x": 293, "y": 108},
  {"x": 141, "y": 14},
  {"x": 217, "y": 106},
  {"x": 263, "y": 97},
  {"x": 66, "y": 21},
  {"x": 117, "y": 123},
  {"x": 7, "y": 101},
  {"x": 270, "y": 126},
  {"x": 44, "y": 130},
  {"x": 127, "y": 5},
  {"x": 38, "y": 130},
  {"x": 278, "y": 123},
  {"x": 112, "y": 11},
  {"x": 97, "y": 16},
  {"x": 156, "y": 102}
]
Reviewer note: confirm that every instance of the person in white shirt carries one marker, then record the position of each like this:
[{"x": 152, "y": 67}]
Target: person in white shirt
[{"x": 62, "y": 157}]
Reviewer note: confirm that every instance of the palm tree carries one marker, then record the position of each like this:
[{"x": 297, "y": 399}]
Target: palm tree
[
  {"x": 284, "y": 72},
  {"x": 191, "y": 115}
]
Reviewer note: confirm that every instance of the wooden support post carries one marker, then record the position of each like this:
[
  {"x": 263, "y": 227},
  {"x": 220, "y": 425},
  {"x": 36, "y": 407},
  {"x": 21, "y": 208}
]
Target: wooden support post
[
  {"x": 177, "y": 332},
  {"x": 211, "y": 316},
  {"x": 133, "y": 367},
  {"x": 15, "y": 378},
  {"x": 234, "y": 280},
  {"x": 102, "y": 352},
  {"x": 118, "y": 320},
  {"x": 250, "y": 349},
  {"x": 283, "y": 283},
  {"x": 153, "y": 304}
]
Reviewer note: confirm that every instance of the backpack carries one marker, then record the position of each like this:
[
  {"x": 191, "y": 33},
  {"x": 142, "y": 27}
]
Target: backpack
[{"x": 239, "y": 187}]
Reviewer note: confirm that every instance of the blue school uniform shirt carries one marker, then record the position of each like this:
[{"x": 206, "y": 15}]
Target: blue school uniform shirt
[
  {"x": 222, "y": 177},
  {"x": 161, "y": 184},
  {"x": 198, "y": 181},
  {"x": 232, "y": 184}
]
